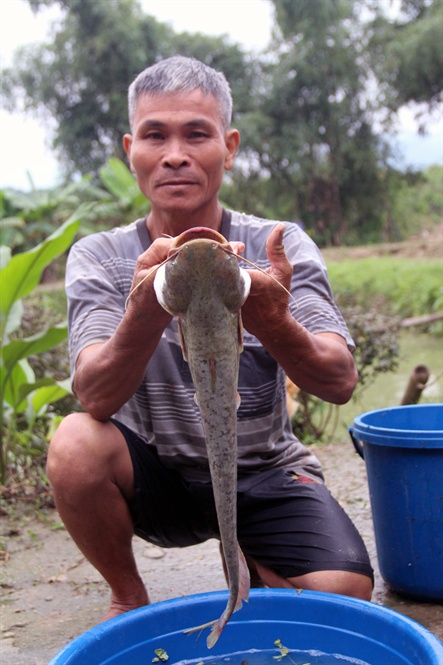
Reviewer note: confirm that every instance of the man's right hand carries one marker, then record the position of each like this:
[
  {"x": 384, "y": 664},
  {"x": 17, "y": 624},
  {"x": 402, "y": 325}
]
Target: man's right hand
[{"x": 142, "y": 300}]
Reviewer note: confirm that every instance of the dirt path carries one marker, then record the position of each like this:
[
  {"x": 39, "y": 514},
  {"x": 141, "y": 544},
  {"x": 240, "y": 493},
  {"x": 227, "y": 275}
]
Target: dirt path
[
  {"x": 51, "y": 594},
  {"x": 426, "y": 245}
]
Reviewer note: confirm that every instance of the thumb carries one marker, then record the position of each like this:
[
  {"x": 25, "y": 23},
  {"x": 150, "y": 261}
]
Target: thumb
[{"x": 276, "y": 250}]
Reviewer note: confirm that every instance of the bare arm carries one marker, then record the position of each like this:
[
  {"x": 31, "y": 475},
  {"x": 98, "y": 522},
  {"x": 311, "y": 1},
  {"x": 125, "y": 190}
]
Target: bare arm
[
  {"x": 108, "y": 374},
  {"x": 319, "y": 364}
]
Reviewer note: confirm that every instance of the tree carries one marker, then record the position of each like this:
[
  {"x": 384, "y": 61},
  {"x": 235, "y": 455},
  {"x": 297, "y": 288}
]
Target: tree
[
  {"x": 312, "y": 128},
  {"x": 408, "y": 54},
  {"x": 306, "y": 109},
  {"x": 81, "y": 78}
]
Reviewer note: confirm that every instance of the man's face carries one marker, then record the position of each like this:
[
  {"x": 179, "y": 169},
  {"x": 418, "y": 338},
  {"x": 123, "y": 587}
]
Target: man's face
[{"x": 179, "y": 150}]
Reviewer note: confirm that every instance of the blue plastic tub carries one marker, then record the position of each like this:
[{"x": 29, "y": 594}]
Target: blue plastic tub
[
  {"x": 403, "y": 451},
  {"x": 306, "y": 621}
]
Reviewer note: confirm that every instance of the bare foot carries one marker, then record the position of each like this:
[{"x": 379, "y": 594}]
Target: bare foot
[{"x": 122, "y": 605}]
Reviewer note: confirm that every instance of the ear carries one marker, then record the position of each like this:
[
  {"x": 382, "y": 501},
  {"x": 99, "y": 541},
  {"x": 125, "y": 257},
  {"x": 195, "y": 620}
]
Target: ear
[
  {"x": 127, "y": 145},
  {"x": 232, "y": 141}
]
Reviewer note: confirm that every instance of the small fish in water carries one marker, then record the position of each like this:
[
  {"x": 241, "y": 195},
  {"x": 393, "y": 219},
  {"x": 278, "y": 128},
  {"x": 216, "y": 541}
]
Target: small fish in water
[{"x": 203, "y": 286}]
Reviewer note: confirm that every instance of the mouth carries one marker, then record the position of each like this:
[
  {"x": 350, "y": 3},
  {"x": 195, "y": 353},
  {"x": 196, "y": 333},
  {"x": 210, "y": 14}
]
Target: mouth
[{"x": 176, "y": 183}]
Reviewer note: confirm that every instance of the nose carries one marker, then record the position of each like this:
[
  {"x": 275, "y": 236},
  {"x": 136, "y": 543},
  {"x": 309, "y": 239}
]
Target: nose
[{"x": 175, "y": 155}]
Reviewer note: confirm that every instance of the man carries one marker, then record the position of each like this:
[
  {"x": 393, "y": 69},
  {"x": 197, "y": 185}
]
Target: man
[{"x": 136, "y": 461}]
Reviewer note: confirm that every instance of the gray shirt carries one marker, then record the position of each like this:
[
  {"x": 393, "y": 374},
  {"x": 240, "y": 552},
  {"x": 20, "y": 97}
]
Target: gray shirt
[{"x": 162, "y": 411}]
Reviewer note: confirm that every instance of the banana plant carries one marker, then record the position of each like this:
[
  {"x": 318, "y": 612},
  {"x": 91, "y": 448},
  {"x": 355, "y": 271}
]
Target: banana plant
[
  {"x": 119, "y": 180},
  {"x": 22, "y": 395}
]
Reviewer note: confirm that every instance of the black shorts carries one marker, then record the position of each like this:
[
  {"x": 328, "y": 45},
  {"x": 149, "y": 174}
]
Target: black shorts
[{"x": 288, "y": 523}]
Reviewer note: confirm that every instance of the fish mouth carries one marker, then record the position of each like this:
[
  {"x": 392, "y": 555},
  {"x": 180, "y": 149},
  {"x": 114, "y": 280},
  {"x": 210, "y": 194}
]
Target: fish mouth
[{"x": 198, "y": 233}]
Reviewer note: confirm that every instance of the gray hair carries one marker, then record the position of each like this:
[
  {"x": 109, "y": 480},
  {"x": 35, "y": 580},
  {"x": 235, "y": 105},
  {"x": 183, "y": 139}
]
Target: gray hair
[{"x": 180, "y": 74}]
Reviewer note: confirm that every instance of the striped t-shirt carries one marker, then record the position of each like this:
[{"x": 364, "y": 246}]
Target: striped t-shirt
[{"x": 163, "y": 411}]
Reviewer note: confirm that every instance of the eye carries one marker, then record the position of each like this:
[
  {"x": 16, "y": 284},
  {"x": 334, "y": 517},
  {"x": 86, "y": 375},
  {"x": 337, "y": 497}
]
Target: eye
[
  {"x": 198, "y": 134},
  {"x": 154, "y": 136}
]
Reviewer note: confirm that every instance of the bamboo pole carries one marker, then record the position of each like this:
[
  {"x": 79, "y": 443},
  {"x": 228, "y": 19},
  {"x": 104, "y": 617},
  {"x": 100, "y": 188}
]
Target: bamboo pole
[{"x": 417, "y": 382}]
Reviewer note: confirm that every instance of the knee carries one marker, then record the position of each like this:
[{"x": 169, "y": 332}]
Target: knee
[
  {"x": 74, "y": 451},
  {"x": 85, "y": 454},
  {"x": 64, "y": 449}
]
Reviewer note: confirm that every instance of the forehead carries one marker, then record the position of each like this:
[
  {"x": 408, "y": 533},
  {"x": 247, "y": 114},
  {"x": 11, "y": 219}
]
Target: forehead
[{"x": 177, "y": 107}]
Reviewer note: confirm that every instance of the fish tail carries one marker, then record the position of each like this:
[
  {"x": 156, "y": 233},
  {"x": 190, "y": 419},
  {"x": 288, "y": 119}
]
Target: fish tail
[
  {"x": 216, "y": 631},
  {"x": 243, "y": 595}
]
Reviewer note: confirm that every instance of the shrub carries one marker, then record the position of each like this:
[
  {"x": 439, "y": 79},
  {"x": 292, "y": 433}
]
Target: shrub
[
  {"x": 25, "y": 398},
  {"x": 377, "y": 351}
]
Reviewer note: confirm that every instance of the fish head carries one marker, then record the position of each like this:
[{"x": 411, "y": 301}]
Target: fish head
[
  {"x": 198, "y": 233},
  {"x": 201, "y": 265}
]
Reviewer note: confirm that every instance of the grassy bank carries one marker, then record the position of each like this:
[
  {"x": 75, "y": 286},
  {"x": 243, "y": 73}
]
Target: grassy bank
[{"x": 400, "y": 286}]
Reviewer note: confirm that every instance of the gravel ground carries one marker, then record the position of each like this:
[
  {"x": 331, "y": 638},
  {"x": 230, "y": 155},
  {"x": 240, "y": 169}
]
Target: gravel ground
[{"x": 51, "y": 594}]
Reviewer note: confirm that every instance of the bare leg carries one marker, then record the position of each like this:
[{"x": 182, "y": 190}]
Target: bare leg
[
  {"x": 90, "y": 470},
  {"x": 331, "y": 581}
]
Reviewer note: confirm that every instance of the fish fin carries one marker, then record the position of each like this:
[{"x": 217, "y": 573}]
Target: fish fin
[
  {"x": 238, "y": 400},
  {"x": 190, "y": 631},
  {"x": 240, "y": 333},
  {"x": 245, "y": 581},
  {"x": 196, "y": 399},
  {"x": 182, "y": 341}
]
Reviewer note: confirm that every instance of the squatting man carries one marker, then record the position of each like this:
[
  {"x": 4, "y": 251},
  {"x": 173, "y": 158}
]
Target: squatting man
[{"x": 134, "y": 462}]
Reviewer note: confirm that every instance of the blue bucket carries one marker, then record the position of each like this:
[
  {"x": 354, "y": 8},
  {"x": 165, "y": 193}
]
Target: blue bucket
[
  {"x": 403, "y": 451},
  {"x": 307, "y": 621}
]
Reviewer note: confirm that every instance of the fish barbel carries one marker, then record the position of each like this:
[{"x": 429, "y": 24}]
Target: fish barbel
[{"x": 202, "y": 285}]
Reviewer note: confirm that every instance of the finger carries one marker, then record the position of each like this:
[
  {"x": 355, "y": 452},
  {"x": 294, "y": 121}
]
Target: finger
[
  {"x": 237, "y": 247},
  {"x": 155, "y": 254},
  {"x": 274, "y": 244},
  {"x": 275, "y": 250}
]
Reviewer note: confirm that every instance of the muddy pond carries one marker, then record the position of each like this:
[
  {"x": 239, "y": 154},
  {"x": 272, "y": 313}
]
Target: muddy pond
[{"x": 387, "y": 390}]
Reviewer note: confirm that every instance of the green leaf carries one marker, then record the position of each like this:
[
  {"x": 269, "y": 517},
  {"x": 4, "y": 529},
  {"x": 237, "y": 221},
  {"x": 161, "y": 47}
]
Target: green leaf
[
  {"x": 11, "y": 230},
  {"x": 47, "y": 395},
  {"x": 23, "y": 348},
  {"x": 5, "y": 255},
  {"x": 284, "y": 651},
  {"x": 23, "y": 271},
  {"x": 12, "y": 222},
  {"x": 12, "y": 384},
  {"x": 161, "y": 656},
  {"x": 28, "y": 388},
  {"x": 54, "y": 422},
  {"x": 119, "y": 180},
  {"x": 14, "y": 319}
]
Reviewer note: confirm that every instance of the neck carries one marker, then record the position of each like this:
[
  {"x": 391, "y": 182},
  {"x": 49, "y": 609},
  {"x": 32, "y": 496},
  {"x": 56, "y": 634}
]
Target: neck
[{"x": 161, "y": 223}]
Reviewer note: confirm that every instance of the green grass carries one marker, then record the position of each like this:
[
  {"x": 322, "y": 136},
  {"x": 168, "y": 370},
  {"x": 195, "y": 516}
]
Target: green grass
[{"x": 402, "y": 286}]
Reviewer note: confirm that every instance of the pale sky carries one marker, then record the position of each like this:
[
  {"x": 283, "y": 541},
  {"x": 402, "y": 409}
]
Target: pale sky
[{"x": 24, "y": 141}]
